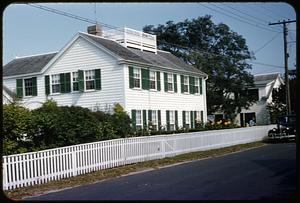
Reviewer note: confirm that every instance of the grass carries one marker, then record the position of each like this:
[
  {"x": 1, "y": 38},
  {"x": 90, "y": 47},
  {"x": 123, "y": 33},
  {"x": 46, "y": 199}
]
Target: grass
[{"x": 97, "y": 176}]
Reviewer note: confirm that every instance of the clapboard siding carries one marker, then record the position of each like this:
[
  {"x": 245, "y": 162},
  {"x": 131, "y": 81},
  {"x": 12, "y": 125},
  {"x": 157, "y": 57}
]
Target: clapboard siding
[{"x": 161, "y": 100}]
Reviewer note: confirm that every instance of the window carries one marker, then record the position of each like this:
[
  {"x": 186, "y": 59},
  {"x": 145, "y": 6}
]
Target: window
[
  {"x": 196, "y": 86},
  {"x": 172, "y": 120},
  {"x": 28, "y": 87},
  {"x": 170, "y": 82},
  {"x": 137, "y": 78},
  {"x": 55, "y": 81},
  {"x": 138, "y": 119},
  {"x": 198, "y": 118},
  {"x": 152, "y": 80},
  {"x": 154, "y": 120},
  {"x": 185, "y": 84},
  {"x": 253, "y": 93},
  {"x": 90, "y": 79},
  {"x": 75, "y": 81},
  {"x": 187, "y": 119}
]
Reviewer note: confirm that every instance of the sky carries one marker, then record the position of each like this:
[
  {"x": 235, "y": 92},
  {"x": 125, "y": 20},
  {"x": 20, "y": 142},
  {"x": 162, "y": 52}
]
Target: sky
[{"x": 28, "y": 30}]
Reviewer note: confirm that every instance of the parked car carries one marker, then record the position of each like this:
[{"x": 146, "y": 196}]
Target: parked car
[{"x": 286, "y": 128}]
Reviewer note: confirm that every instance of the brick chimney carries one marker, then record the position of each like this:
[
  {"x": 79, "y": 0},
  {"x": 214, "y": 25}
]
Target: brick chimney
[{"x": 95, "y": 30}]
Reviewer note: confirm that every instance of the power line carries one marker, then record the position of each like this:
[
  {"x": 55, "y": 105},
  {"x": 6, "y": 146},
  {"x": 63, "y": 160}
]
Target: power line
[
  {"x": 257, "y": 26},
  {"x": 272, "y": 11},
  {"x": 243, "y": 17},
  {"x": 268, "y": 42},
  {"x": 116, "y": 28}
]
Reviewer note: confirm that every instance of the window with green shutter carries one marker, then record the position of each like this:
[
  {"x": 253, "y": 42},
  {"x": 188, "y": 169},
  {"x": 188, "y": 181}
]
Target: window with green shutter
[
  {"x": 166, "y": 81},
  {"x": 158, "y": 119},
  {"x": 158, "y": 80},
  {"x": 182, "y": 83},
  {"x": 192, "y": 120},
  {"x": 47, "y": 84},
  {"x": 80, "y": 80},
  {"x": 200, "y": 82},
  {"x": 131, "y": 80},
  {"x": 19, "y": 84},
  {"x": 149, "y": 116},
  {"x": 168, "y": 120},
  {"x": 183, "y": 118},
  {"x": 133, "y": 118},
  {"x": 175, "y": 82},
  {"x": 176, "y": 120},
  {"x": 192, "y": 83},
  {"x": 34, "y": 86},
  {"x": 145, "y": 79},
  {"x": 62, "y": 82},
  {"x": 67, "y": 82},
  {"x": 144, "y": 119},
  {"x": 98, "y": 79}
]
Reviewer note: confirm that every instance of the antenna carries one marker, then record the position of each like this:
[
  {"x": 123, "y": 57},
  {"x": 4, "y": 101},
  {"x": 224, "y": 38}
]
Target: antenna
[{"x": 95, "y": 12}]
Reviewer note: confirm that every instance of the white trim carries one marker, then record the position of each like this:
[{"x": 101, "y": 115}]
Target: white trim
[{"x": 40, "y": 54}]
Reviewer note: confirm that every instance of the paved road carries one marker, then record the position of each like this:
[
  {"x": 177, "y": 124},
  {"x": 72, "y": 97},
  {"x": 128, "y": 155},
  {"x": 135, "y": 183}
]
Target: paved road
[{"x": 267, "y": 172}]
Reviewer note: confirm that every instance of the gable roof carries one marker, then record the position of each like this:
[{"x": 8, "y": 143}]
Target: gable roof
[
  {"x": 26, "y": 65},
  {"x": 162, "y": 58},
  {"x": 35, "y": 64},
  {"x": 265, "y": 78}
]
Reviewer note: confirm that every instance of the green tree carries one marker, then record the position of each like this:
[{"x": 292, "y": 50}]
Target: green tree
[{"x": 217, "y": 51}]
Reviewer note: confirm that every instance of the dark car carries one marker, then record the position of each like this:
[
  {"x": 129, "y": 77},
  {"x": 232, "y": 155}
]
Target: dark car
[{"x": 286, "y": 128}]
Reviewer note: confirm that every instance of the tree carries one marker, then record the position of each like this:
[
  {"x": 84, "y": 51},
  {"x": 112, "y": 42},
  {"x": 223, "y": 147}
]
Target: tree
[{"x": 217, "y": 51}]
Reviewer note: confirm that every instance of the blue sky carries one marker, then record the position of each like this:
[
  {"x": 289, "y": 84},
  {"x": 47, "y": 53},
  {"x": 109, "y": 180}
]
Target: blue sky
[{"x": 28, "y": 30}]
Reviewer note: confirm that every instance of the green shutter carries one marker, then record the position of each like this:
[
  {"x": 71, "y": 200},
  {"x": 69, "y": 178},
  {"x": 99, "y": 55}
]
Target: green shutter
[
  {"x": 47, "y": 84},
  {"x": 67, "y": 82},
  {"x": 133, "y": 119},
  {"x": 192, "y": 84},
  {"x": 144, "y": 119},
  {"x": 182, "y": 83},
  {"x": 195, "y": 114},
  {"x": 183, "y": 118},
  {"x": 131, "y": 81},
  {"x": 168, "y": 120},
  {"x": 19, "y": 84},
  {"x": 158, "y": 119},
  {"x": 149, "y": 115},
  {"x": 98, "y": 79},
  {"x": 34, "y": 86},
  {"x": 176, "y": 120},
  {"x": 201, "y": 114},
  {"x": 158, "y": 80},
  {"x": 175, "y": 82},
  {"x": 80, "y": 80},
  {"x": 166, "y": 81},
  {"x": 145, "y": 78},
  {"x": 192, "y": 120},
  {"x": 200, "y": 81},
  {"x": 62, "y": 83}
]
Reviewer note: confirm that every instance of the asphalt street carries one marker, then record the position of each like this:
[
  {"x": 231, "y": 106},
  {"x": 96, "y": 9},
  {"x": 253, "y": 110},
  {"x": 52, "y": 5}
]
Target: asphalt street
[{"x": 267, "y": 172}]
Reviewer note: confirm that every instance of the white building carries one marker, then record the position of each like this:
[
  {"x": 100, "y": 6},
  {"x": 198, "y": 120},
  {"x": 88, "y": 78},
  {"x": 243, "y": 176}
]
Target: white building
[
  {"x": 262, "y": 91},
  {"x": 96, "y": 72}
]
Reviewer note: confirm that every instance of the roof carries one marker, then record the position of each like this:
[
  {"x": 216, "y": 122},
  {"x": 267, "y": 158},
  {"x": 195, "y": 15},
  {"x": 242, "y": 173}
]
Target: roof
[
  {"x": 35, "y": 64},
  {"x": 26, "y": 65},
  {"x": 162, "y": 58},
  {"x": 265, "y": 78}
]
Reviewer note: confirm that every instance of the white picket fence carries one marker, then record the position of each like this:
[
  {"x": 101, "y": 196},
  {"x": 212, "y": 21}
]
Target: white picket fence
[{"x": 33, "y": 168}]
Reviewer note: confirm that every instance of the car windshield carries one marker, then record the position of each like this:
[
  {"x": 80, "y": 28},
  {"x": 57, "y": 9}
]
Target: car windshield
[{"x": 287, "y": 120}]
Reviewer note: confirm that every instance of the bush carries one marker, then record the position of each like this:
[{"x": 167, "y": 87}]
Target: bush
[
  {"x": 16, "y": 125},
  {"x": 62, "y": 126}
]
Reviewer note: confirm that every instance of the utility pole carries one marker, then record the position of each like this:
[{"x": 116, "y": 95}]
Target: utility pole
[{"x": 287, "y": 86}]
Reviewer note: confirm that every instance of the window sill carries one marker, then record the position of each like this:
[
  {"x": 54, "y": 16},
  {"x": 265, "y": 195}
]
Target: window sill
[
  {"x": 29, "y": 96},
  {"x": 153, "y": 90},
  {"x": 136, "y": 88}
]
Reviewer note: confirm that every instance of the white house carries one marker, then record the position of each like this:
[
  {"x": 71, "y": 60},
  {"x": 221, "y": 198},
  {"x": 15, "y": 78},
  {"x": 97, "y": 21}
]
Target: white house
[
  {"x": 124, "y": 67},
  {"x": 262, "y": 91}
]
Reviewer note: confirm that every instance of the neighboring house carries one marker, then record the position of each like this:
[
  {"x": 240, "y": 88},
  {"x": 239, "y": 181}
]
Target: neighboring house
[
  {"x": 154, "y": 87},
  {"x": 262, "y": 91},
  {"x": 8, "y": 96}
]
